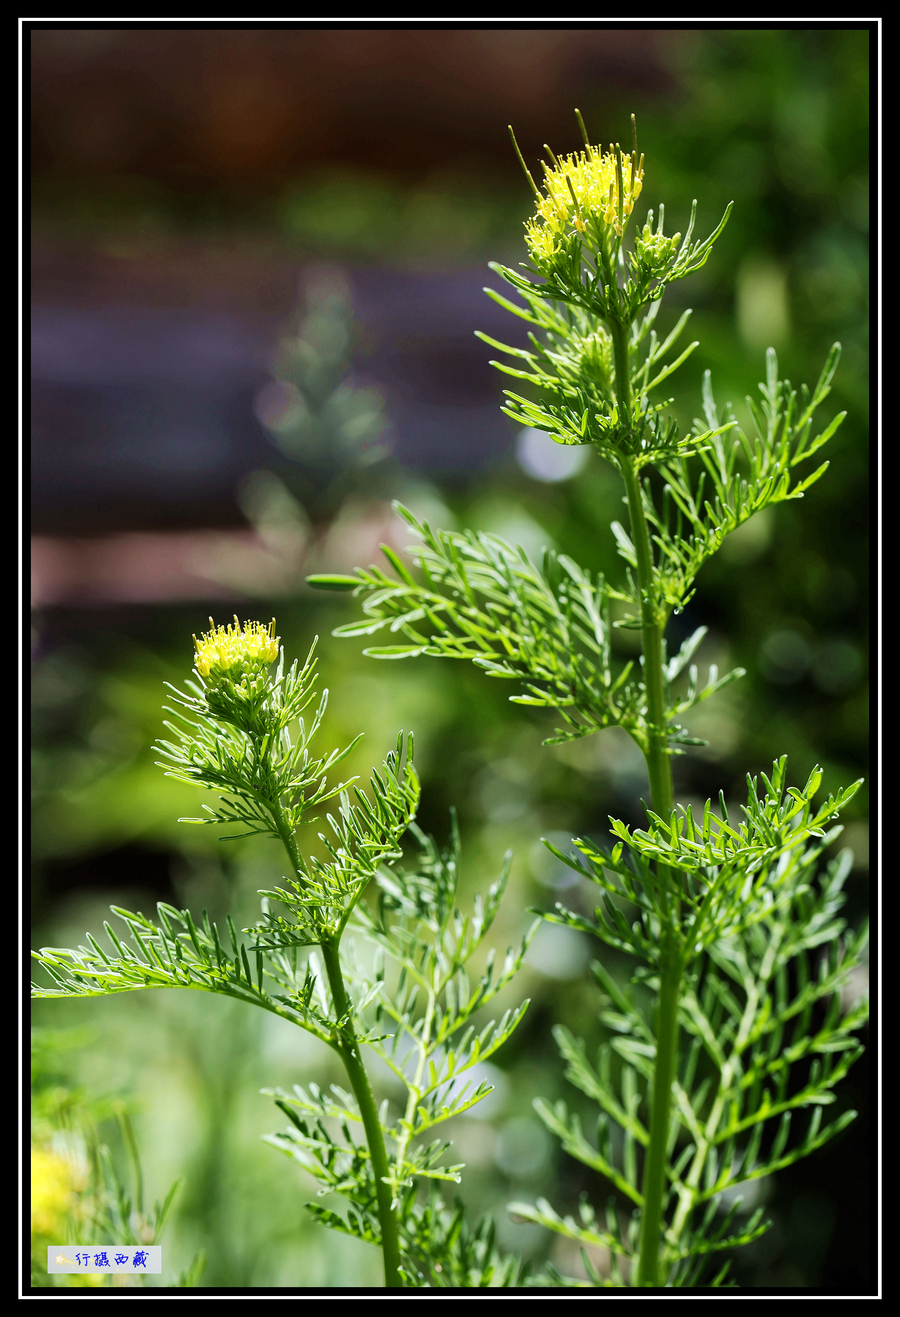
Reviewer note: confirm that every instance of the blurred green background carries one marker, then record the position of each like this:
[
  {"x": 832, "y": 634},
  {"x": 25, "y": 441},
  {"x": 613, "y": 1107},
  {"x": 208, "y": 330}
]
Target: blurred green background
[{"x": 215, "y": 169}]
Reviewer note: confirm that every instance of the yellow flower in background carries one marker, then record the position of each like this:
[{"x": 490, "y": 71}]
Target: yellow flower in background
[
  {"x": 235, "y": 651},
  {"x": 56, "y": 1181},
  {"x": 582, "y": 187}
]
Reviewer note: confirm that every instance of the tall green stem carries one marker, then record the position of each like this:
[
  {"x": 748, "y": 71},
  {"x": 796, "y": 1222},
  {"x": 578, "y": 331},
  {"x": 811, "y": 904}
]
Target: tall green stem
[
  {"x": 654, "y": 1187},
  {"x": 652, "y": 623},
  {"x": 671, "y": 966},
  {"x": 362, "y": 1090},
  {"x": 348, "y": 1048},
  {"x": 657, "y": 752}
]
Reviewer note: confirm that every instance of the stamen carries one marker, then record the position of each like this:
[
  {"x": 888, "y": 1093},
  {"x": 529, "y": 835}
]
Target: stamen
[{"x": 534, "y": 186}]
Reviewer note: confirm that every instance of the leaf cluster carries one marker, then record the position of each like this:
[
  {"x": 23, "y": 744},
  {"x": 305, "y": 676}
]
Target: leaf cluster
[
  {"x": 724, "y": 876},
  {"x": 262, "y": 969},
  {"x": 269, "y": 778},
  {"x": 440, "y": 1248},
  {"x": 764, "y": 957},
  {"x": 421, "y": 1025},
  {"x": 483, "y": 600},
  {"x": 176, "y": 952},
  {"x": 364, "y": 834},
  {"x": 740, "y": 476},
  {"x": 585, "y": 274},
  {"x": 570, "y": 364}
]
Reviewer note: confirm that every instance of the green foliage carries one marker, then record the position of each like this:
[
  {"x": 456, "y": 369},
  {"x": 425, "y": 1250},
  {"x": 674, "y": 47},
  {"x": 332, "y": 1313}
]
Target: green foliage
[
  {"x": 528, "y": 614},
  {"x": 697, "y": 514},
  {"x": 571, "y": 364},
  {"x": 728, "y": 878},
  {"x": 179, "y": 953},
  {"x": 440, "y": 1249},
  {"x": 484, "y": 600},
  {"x": 431, "y": 1008},
  {"x": 365, "y": 834},
  {"x": 238, "y": 740},
  {"x": 427, "y": 1004},
  {"x": 265, "y": 775},
  {"x": 734, "y": 925},
  {"x": 764, "y": 953}
]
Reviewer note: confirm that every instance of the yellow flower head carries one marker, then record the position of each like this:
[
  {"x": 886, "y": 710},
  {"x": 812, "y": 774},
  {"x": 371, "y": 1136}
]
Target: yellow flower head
[
  {"x": 235, "y": 651},
  {"x": 582, "y": 187}
]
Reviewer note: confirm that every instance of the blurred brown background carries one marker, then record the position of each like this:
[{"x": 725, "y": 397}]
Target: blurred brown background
[{"x": 181, "y": 178}]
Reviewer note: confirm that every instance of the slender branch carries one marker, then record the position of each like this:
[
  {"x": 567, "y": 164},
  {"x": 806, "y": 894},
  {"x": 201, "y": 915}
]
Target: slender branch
[
  {"x": 348, "y": 1048},
  {"x": 706, "y": 1139},
  {"x": 362, "y": 1090},
  {"x": 287, "y": 837},
  {"x": 657, "y": 752},
  {"x": 671, "y": 965},
  {"x": 415, "y": 1085}
]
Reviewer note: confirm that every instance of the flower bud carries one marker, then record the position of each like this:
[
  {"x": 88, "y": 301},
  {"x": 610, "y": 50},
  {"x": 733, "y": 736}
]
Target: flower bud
[
  {"x": 235, "y": 652},
  {"x": 233, "y": 663},
  {"x": 587, "y": 193}
]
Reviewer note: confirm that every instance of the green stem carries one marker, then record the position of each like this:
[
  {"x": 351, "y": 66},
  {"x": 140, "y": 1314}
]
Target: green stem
[
  {"x": 286, "y": 833},
  {"x": 652, "y": 622},
  {"x": 359, "y": 1081},
  {"x": 671, "y": 965},
  {"x": 652, "y": 626},
  {"x": 620, "y": 334},
  {"x": 654, "y": 1186},
  {"x": 348, "y": 1048}
]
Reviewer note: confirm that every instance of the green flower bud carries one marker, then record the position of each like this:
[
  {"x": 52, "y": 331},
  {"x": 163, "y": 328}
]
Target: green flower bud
[{"x": 653, "y": 253}]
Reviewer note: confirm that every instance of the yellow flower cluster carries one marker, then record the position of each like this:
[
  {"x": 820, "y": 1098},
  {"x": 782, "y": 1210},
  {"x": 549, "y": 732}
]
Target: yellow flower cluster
[
  {"x": 235, "y": 650},
  {"x": 580, "y": 187}
]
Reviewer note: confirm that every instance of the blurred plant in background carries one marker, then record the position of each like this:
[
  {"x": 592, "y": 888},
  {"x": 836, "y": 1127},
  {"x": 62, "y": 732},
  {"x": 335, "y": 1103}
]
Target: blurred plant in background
[
  {"x": 331, "y": 430},
  {"x": 78, "y": 1193},
  {"x": 775, "y": 119}
]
